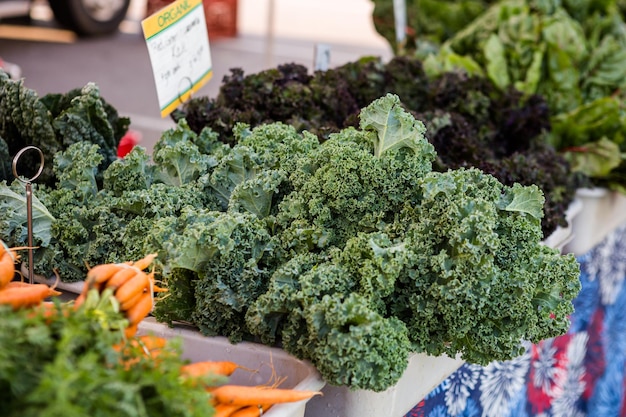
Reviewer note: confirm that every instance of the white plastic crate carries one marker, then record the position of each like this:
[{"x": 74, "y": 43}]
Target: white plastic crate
[
  {"x": 270, "y": 362},
  {"x": 562, "y": 236},
  {"x": 422, "y": 375},
  {"x": 602, "y": 211}
]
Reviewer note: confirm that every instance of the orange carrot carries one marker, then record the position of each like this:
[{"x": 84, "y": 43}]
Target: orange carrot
[
  {"x": 120, "y": 277},
  {"x": 14, "y": 284},
  {"x": 156, "y": 288},
  {"x": 101, "y": 273},
  {"x": 7, "y": 265},
  {"x": 140, "y": 310},
  {"x": 251, "y": 410},
  {"x": 26, "y": 296},
  {"x": 137, "y": 283},
  {"x": 48, "y": 309},
  {"x": 80, "y": 299},
  {"x": 151, "y": 346},
  {"x": 151, "y": 342},
  {"x": 145, "y": 262},
  {"x": 196, "y": 369},
  {"x": 126, "y": 305},
  {"x": 225, "y": 410},
  {"x": 253, "y": 395},
  {"x": 130, "y": 331}
]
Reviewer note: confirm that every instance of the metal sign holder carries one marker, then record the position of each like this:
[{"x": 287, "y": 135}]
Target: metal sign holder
[{"x": 29, "y": 202}]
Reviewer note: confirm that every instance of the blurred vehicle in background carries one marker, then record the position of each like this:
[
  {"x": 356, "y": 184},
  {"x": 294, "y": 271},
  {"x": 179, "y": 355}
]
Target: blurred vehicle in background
[{"x": 85, "y": 17}]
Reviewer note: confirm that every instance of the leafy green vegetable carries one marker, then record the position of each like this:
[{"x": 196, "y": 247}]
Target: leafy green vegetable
[
  {"x": 88, "y": 224},
  {"x": 468, "y": 119},
  {"x": 523, "y": 199},
  {"x": 429, "y": 22},
  {"x": 350, "y": 252},
  {"x": 465, "y": 286},
  {"x": 53, "y": 123},
  {"x": 15, "y": 217},
  {"x": 393, "y": 126},
  {"x": 449, "y": 267},
  {"x": 571, "y": 53}
]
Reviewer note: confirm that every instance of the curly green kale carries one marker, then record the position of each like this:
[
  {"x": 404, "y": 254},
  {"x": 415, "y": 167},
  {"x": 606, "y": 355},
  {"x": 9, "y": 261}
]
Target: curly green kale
[
  {"x": 230, "y": 255},
  {"x": 357, "y": 178},
  {"x": 54, "y": 122},
  {"x": 235, "y": 276},
  {"x": 253, "y": 176},
  {"x": 178, "y": 159},
  {"x": 317, "y": 312},
  {"x": 279, "y": 307},
  {"x": 461, "y": 271},
  {"x": 93, "y": 225},
  {"x": 470, "y": 286},
  {"x": 355, "y": 346}
]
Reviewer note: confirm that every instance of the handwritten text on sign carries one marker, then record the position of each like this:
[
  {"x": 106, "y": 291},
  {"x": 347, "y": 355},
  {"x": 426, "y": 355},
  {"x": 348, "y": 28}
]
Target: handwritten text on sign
[{"x": 178, "y": 45}]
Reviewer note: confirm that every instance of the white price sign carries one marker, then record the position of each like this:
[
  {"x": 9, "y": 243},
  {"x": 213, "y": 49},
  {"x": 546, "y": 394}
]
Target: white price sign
[{"x": 178, "y": 45}]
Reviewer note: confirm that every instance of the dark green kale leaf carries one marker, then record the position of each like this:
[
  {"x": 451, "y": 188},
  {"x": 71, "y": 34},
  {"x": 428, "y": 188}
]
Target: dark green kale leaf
[
  {"x": 468, "y": 282},
  {"x": 6, "y": 170},
  {"x": 233, "y": 256},
  {"x": 356, "y": 179},
  {"x": 180, "y": 302},
  {"x": 24, "y": 121},
  {"x": 86, "y": 120},
  {"x": 315, "y": 308},
  {"x": 54, "y": 122}
]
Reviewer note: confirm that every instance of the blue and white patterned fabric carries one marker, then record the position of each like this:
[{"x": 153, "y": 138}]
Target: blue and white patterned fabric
[{"x": 582, "y": 373}]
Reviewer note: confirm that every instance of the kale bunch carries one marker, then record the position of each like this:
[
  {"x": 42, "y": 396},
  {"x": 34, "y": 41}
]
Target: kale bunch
[
  {"x": 53, "y": 123},
  {"x": 336, "y": 251},
  {"x": 317, "y": 309},
  {"x": 449, "y": 254},
  {"x": 469, "y": 120},
  {"x": 92, "y": 222},
  {"x": 356, "y": 179},
  {"x": 460, "y": 290}
]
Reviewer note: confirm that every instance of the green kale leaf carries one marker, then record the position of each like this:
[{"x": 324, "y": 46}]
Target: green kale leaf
[
  {"x": 14, "y": 217},
  {"x": 394, "y": 127}
]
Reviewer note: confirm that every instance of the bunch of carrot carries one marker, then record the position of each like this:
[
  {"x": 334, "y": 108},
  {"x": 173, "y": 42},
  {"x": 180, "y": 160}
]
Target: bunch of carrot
[
  {"x": 132, "y": 287},
  {"x": 16, "y": 293},
  {"x": 229, "y": 400},
  {"x": 253, "y": 401},
  {"x": 134, "y": 290}
]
